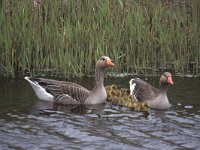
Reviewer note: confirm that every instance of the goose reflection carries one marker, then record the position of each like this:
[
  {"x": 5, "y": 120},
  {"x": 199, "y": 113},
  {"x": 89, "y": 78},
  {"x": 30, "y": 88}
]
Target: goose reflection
[{"x": 47, "y": 108}]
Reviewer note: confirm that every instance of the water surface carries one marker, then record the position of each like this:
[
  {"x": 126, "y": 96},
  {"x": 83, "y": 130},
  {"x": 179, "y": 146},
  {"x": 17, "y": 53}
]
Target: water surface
[{"x": 29, "y": 123}]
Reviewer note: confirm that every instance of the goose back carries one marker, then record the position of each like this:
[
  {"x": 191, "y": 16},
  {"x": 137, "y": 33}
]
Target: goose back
[
  {"x": 64, "y": 92},
  {"x": 142, "y": 90}
]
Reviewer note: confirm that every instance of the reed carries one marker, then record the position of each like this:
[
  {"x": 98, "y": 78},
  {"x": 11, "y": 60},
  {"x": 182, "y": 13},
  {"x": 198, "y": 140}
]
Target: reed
[{"x": 66, "y": 37}]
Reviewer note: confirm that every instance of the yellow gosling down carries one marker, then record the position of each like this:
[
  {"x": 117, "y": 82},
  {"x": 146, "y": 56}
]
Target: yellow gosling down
[{"x": 122, "y": 97}]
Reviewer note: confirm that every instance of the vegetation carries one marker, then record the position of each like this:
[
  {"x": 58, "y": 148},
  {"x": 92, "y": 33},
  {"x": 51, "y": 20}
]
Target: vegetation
[{"x": 66, "y": 37}]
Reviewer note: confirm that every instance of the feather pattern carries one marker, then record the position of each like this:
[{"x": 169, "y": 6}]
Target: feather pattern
[
  {"x": 65, "y": 91},
  {"x": 157, "y": 98},
  {"x": 71, "y": 93},
  {"x": 65, "y": 99},
  {"x": 142, "y": 91}
]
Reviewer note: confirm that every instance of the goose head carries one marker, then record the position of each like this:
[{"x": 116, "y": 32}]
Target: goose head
[
  {"x": 104, "y": 62},
  {"x": 101, "y": 64},
  {"x": 166, "y": 78}
]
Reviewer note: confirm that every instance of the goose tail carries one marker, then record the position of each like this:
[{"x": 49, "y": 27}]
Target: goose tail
[{"x": 39, "y": 90}]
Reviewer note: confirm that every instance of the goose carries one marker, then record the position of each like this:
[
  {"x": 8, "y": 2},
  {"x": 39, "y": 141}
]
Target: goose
[
  {"x": 156, "y": 98},
  {"x": 63, "y": 92}
]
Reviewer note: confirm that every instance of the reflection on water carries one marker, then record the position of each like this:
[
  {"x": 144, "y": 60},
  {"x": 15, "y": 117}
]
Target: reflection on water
[{"x": 29, "y": 123}]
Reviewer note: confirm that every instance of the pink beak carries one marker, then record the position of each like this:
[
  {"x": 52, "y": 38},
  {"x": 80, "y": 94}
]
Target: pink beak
[{"x": 169, "y": 80}]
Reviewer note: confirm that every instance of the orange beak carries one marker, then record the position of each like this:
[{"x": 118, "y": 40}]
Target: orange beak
[
  {"x": 169, "y": 80},
  {"x": 109, "y": 63}
]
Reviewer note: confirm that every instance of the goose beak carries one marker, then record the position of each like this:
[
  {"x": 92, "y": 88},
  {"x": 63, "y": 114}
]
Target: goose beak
[
  {"x": 169, "y": 80},
  {"x": 109, "y": 63}
]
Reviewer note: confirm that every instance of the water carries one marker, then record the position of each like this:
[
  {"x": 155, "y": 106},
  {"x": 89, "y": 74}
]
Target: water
[{"x": 29, "y": 123}]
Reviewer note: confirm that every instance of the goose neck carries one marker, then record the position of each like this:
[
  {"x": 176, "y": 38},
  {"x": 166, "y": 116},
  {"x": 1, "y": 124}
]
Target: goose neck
[
  {"x": 99, "y": 77},
  {"x": 163, "y": 87}
]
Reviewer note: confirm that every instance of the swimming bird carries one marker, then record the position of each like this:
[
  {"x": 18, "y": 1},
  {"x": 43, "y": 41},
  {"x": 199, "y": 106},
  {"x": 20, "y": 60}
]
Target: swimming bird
[
  {"x": 62, "y": 92},
  {"x": 156, "y": 98},
  {"x": 112, "y": 91},
  {"x": 121, "y": 97}
]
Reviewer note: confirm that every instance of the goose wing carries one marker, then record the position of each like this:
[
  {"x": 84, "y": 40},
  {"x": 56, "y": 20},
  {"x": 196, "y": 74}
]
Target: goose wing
[
  {"x": 52, "y": 82},
  {"x": 142, "y": 90},
  {"x": 64, "y": 92}
]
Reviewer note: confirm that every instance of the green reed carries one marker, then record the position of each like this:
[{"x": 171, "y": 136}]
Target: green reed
[{"x": 67, "y": 37}]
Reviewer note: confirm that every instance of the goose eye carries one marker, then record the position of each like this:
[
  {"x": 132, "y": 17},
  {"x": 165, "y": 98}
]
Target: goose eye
[{"x": 103, "y": 59}]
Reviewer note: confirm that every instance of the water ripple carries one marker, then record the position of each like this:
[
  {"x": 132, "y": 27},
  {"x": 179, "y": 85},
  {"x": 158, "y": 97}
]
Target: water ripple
[{"x": 33, "y": 124}]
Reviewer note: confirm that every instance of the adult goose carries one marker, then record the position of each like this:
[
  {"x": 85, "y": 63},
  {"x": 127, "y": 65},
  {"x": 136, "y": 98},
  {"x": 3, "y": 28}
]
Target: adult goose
[
  {"x": 156, "y": 98},
  {"x": 63, "y": 92}
]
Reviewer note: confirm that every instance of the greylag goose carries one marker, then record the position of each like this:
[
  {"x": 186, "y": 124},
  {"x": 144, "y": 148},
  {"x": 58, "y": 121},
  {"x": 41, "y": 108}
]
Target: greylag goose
[
  {"x": 62, "y": 92},
  {"x": 156, "y": 98}
]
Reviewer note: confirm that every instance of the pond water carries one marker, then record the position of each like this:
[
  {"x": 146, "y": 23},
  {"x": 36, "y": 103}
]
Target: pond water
[{"x": 29, "y": 123}]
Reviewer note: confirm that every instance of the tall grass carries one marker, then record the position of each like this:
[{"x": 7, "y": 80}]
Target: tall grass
[{"x": 66, "y": 37}]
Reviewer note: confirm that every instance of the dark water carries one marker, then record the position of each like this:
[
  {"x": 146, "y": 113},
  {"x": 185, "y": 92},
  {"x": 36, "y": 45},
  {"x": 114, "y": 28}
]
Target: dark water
[{"x": 29, "y": 123}]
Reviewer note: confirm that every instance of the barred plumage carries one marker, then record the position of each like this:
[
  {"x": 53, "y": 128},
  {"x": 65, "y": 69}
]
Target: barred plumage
[
  {"x": 142, "y": 91},
  {"x": 157, "y": 98},
  {"x": 63, "y": 92}
]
